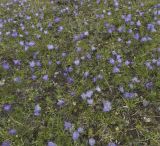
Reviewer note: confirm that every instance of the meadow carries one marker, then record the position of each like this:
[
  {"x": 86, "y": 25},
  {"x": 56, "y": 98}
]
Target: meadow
[{"x": 79, "y": 72}]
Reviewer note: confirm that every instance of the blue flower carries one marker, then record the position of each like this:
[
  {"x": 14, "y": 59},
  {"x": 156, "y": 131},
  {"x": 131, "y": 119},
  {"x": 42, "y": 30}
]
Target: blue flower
[
  {"x": 116, "y": 70},
  {"x": 5, "y": 66},
  {"x": 50, "y": 143},
  {"x": 151, "y": 28},
  {"x": 107, "y": 106},
  {"x": 7, "y": 107},
  {"x": 45, "y": 77},
  {"x": 90, "y": 101},
  {"x": 67, "y": 125},
  {"x": 50, "y": 47},
  {"x": 12, "y": 131},
  {"x": 80, "y": 130},
  {"x": 111, "y": 61},
  {"x": 111, "y": 144},
  {"x": 37, "y": 110},
  {"x": 6, "y": 143},
  {"x": 32, "y": 64},
  {"x": 75, "y": 135},
  {"x": 92, "y": 141}
]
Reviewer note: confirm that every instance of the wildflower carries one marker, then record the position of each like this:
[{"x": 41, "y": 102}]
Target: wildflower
[
  {"x": 12, "y": 131},
  {"x": 149, "y": 85},
  {"x": 17, "y": 79},
  {"x": 80, "y": 130},
  {"x": 121, "y": 89},
  {"x": 50, "y": 47},
  {"x": 89, "y": 93},
  {"x": 34, "y": 77},
  {"x": 98, "y": 89},
  {"x": 86, "y": 74},
  {"x": 129, "y": 95},
  {"x": 107, "y": 106},
  {"x": 151, "y": 28},
  {"x": 17, "y": 62},
  {"x": 77, "y": 62},
  {"x": 92, "y": 141},
  {"x": 45, "y": 77},
  {"x": 111, "y": 144},
  {"x": 138, "y": 23},
  {"x": 50, "y": 143},
  {"x": 31, "y": 64},
  {"x": 5, "y": 66},
  {"x": 6, "y": 143},
  {"x": 90, "y": 101},
  {"x": 60, "y": 28},
  {"x": 70, "y": 80},
  {"x": 37, "y": 110},
  {"x": 67, "y": 125},
  {"x": 136, "y": 36},
  {"x": 60, "y": 102},
  {"x": 116, "y": 70},
  {"x": 111, "y": 61},
  {"x": 75, "y": 135},
  {"x": 7, "y": 107},
  {"x": 32, "y": 43}
]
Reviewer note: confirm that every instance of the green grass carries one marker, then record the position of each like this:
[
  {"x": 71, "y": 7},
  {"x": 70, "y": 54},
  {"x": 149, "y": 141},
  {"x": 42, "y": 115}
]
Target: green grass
[{"x": 126, "y": 124}]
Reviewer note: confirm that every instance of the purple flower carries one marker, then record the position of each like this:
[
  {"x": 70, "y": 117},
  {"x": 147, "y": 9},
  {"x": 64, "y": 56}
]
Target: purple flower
[
  {"x": 151, "y": 28},
  {"x": 6, "y": 143},
  {"x": 60, "y": 28},
  {"x": 21, "y": 43},
  {"x": 138, "y": 23},
  {"x": 107, "y": 106},
  {"x": 50, "y": 47},
  {"x": 89, "y": 93},
  {"x": 32, "y": 43},
  {"x": 92, "y": 141},
  {"x": 34, "y": 77},
  {"x": 83, "y": 95},
  {"x": 80, "y": 130},
  {"x": 116, "y": 70},
  {"x": 67, "y": 125},
  {"x": 121, "y": 89},
  {"x": 7, "y": 107},
  {"x": 5, "y": 66},
  {"x": 17, "y": 62},
  {"x": 32, "y": 64},
  {"x": 57, "y": 19},
  {"x": 111, "y": 144},
  {"x": 14, "y": 34},
  {"x": 75, "y": 135},
  {"x": 158, "y": 62},
  {"x": 90, "y": 101},
  {"x": 45, "y": 77},
  {"x": 60, "y": 102},
  {"x": 127, "y": 62},
  {"x": 37, "y": 110},
  {"x": 111, "y": 61},
  {"x": 129, "y": 95},
  {"x": 17, "y": 79},
  {"x": 149, "y": 85},
  {"x": 135, "y": 80},
  {"x": 86, "y": 74},
  {"x": 70, "y": 80},
  {"x": 77, "y": 62},
  {"x": 12, "y": 131},
  {"x": 50, "y": 143},
  {"x": 136, "y": 36},
  {"x": 38, "y": 63}
]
